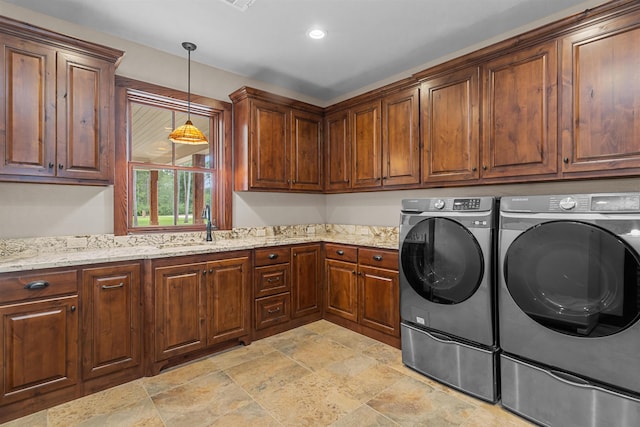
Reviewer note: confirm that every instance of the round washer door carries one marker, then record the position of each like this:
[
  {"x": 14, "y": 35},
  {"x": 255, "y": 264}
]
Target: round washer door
[
  {"x": 442, "y": 261},
  {"x": 575, "y": 278}
]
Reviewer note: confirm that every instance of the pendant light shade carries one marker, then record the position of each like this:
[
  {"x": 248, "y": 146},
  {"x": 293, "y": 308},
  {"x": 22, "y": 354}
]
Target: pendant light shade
[{"x": 188, "y": 133}]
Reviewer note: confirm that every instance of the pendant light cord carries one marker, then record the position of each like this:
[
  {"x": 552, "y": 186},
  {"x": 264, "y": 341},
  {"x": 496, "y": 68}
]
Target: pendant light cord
[{"x": 189, "y": 86}]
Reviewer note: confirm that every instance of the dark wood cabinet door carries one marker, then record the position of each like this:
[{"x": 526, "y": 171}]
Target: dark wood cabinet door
[
  {"x": 111, "y": 319},
  {"x": 38, "y": 348},
  {"x": 379, "y": 299},
  {"x": 228, "y": 293},
  {"x": 366, "y": 159},
  {"x": 306, "y": 151},
  {"x": 179, "y": 309},
  {"x": 269, "y": 146},
  {"x": 341, "y": 289},
  {"x": 305, "y": 272},
  {"x": 85, "y": 98},
  {"x": 27, "y": 108},
  {"x": 337, "y": 151},
  {"x": 400, "y": 138},
  {"x": 450, "y": 126},
  {"x": 520, "y": 114},
  {"x": 600, "y": 113}
]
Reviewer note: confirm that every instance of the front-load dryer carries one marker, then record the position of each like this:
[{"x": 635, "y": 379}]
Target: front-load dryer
[
  {"x": 447, "y": 297},
  {"x": 569, "y": 308}
]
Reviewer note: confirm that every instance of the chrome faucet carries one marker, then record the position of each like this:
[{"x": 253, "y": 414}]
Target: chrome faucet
[{"x": 206, "y": 214}]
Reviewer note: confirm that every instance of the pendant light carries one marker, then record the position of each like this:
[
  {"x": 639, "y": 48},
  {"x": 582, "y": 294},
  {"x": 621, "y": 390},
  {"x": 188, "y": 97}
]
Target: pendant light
[{"x": 188, "y": 133}]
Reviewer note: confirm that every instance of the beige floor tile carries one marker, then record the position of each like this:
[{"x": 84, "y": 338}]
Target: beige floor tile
[
  {"x": 316, "y": 352},
  {"x": 310, "y": 401},
  {"x": 360, "y": 376},
  {"x": 322, "y": 327},
  {"x": 251, "y": 415},
  {"x": 364, "y": 416},
  {"x": 178, "y": 376},
  {"x": 267, "y": 373},
  {"x": 293, "y": 335},
  {"x": 350, "y": 339},
  {"x": 241, "y": 354},
  {"x": 199, "y": 402},
  {"x": 411, "y": 402},
  {"x": 120, "y": 399}
]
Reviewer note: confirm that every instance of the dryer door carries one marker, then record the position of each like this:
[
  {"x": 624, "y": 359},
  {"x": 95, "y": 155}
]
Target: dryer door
[
  {"x": 575, "y": 278},
  {"x": 442, "y": 261}
]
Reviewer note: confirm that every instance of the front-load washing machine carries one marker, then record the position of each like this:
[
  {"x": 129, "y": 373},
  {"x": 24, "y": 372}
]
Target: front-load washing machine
[
  {"x": 569, "y": 308},
  {"x": 447, "y": 297}
]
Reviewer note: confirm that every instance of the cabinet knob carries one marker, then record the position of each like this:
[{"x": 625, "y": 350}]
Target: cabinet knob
[
  {"x": 210, "y": 270},
  {"x": 340, "y": 252},
  {"x": 273, "y": 256},
  {"x": 60, "y": 166},
  {"x": 73, "y": 308},
  {"x": 295, "y": 254},
  {"x": 353, "y": 272},
  {"x": 204, "y": 272},
  {"x": 566, "y": 160},
  {"x": 473, "y": 169},
  {"x": 51, "y": 165},
  {"x": 484, "y": 167},
  {"x": 377, "y": 257}
]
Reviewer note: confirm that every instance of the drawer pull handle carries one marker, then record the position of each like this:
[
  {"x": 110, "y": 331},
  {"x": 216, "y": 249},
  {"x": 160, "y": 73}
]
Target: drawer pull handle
[
  {"x": 273, "y": 279},
  {"x": 340, "y": 252},
  {"x": 119, "y": 285},
  {"x": 377, "y": 257},
  {"x": 38, "y": 284},
  {"x": 273, "y": 256},
  {"x": 272, "y": 311}
]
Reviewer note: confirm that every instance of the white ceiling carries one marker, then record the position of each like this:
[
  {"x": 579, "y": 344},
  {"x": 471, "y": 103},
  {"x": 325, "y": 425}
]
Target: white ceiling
[{"x": 368, "y": 40}]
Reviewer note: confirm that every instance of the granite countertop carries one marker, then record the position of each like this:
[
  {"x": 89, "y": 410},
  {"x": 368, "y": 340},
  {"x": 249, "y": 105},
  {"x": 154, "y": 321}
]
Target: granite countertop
[{"x": 32, "y": 259}]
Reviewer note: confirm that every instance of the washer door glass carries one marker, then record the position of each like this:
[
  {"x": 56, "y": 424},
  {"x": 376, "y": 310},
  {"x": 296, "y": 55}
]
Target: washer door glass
[
  {"x": 442, "y": 261},
  {"x": 575, "y": 278}
]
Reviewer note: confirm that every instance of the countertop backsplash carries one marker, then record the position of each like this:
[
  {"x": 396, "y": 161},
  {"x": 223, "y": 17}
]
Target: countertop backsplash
[{"x": 47, "y": 252}]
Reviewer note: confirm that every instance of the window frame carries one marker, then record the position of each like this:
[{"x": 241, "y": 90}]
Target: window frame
[{"x": 130, "y": 90}]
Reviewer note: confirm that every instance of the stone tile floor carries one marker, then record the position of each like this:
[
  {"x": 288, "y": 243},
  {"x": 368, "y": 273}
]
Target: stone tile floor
[{"x": 316, "y": 375}]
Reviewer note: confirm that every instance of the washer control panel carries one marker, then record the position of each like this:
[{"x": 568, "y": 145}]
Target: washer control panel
[{"x": 466, "y": 204}]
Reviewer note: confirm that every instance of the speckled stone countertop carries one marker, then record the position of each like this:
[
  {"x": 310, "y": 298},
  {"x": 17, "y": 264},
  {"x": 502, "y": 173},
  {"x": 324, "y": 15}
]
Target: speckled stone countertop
[{"x": 39, "y": 253}]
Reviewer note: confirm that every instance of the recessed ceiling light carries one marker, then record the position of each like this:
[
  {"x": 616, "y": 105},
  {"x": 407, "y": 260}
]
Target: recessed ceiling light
[{"x": 317, "y": 33}]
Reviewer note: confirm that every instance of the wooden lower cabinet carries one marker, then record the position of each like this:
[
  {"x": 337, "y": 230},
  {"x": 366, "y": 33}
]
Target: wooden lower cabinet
[
  {"x": 39, "y": 348},
  {"x": 228, "y": 291},
  {"x": 111, "y": 324},
  {"x": 197, "y": 304},
  {"x": 287, "y": 288},
  {"x": 362, "y": 290}
]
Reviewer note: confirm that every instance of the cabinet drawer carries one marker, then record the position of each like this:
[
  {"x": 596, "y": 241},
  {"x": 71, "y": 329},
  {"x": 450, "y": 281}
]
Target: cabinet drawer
[
  {"x": 272, "y": 279},
  {"x": 341, "y": 252},
  {"x": 19, "y": 286},
  {"x": 273, "y": 310},
  {"x": 378, "y": 258},
  {"x": 270, "y": 256}
]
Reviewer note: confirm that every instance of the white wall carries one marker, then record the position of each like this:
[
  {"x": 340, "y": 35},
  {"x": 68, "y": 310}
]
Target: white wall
[
  {"x": 263, "y": 209},
  {"x": 383, "y": 207}
]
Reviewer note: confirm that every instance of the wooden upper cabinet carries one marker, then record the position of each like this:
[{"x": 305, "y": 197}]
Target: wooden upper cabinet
[
  {"x": 520, "y": 115},
  {"x": 450, "y": 126},
  {"x": 366, "y": 159},
  {"x": 27, "y": 108},
  {"x": 601, "y": 98},
  {"x": 277, "y": 143},
  {"x": 85, "y": 98},
  {"x": 337, "y": 151},
  {"x": 269, "y": 146},
  {"x": 400, "y": 138},
  {"x": 56, "y": 118},
  {"x": 306, "y": 151}
]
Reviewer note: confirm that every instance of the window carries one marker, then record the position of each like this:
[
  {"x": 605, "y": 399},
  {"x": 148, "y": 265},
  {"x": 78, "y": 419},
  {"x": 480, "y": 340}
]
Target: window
[{"x": 162, "y": 186}]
